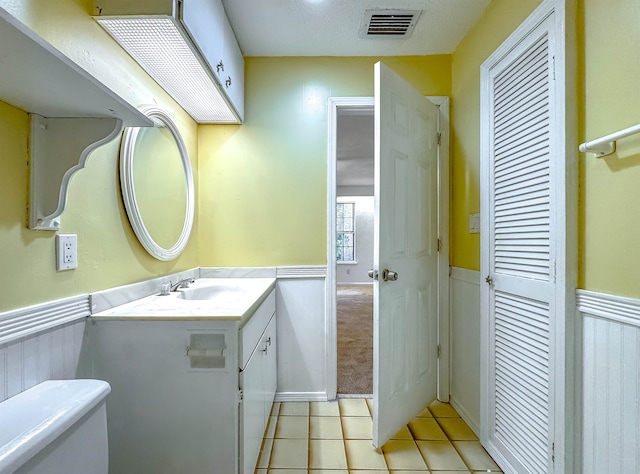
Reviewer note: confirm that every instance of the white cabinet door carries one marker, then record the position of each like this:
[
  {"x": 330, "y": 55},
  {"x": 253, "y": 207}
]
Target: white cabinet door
[
  {"x": 270, "y": 368},
  {"x": 252, "y": 410},
  {"x": 232, "y": 78},
  {"x": 207, "y": 23},
  {"x": 204, "y": 21}
]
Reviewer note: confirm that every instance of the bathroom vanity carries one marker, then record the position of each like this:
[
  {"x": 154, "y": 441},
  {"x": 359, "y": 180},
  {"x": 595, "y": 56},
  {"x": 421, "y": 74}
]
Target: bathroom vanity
[{"x": 193, "y": 376}]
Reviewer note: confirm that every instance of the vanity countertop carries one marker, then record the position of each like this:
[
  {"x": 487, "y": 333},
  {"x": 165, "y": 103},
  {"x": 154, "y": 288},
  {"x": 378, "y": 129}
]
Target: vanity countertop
[{"x": 217, "y": 299}]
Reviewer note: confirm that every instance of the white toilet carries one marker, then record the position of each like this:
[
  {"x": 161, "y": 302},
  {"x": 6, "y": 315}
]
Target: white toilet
[{"x": 56, "y": 427}]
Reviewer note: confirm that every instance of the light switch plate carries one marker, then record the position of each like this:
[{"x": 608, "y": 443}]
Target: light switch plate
[
  {"x": 474, "y": 223},
  {"x": 66, "y": 252}
]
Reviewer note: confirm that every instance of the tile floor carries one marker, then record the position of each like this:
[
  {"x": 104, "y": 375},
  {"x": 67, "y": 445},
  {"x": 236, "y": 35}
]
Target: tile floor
[{"x": 335, "y": 438}]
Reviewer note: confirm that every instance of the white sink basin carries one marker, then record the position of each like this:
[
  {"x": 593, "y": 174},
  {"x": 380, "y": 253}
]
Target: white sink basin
[{"x": 210, "y": 293}]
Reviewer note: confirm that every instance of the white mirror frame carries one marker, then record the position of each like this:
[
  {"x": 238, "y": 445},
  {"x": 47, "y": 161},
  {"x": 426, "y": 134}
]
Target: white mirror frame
[{"x": 127, "y": 153}]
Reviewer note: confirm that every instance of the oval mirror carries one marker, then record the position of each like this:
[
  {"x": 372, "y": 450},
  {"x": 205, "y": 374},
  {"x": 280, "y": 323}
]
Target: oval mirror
[{"x": 157, "y": 185}]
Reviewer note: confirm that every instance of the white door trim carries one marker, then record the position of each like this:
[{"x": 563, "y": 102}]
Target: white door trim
[{"x": 363, "y": 105}]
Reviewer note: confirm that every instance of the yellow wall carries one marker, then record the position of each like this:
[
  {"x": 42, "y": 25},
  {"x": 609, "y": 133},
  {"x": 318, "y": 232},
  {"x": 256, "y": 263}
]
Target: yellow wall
[
  {"x": 498, "y": 21},
  {"x": 610, "y": 187},
  {"x": 263, "y": 184},
  {"x": 109, "y": 254}
]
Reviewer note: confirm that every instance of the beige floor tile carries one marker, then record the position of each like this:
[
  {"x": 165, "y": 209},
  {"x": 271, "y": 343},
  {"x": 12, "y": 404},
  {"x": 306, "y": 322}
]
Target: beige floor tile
[
  {"x": 368, "y": 471},
  {"x": 403, "y": 454},
  {"x": 450, "y": 472},
  {"x": 294, "y": 409},
  {"x": 271, "y": 428},
  {"x": 289, "y": 454},
  {"x": 325, "y": 427},
  {"x": 425, "y": 413},
  {"x": 328, "y": 471},
  {"x": 287, "y": 471},
  {"x": 395, "y": 471},
  {"x": 327, "y": 454},
  {"x": 362, "y": 455},
  {"x": 275, "y": 409},
  {"x": 404, "y": 433},
  {"x": 260, "y": 471},
  {"x": 475, "y": 456},
  {"x": 457, "y": 429},
  {"x": 353, "y": 407},
  {"x": 441, "y": 455},
  {"x": 324, "y": 409},
  {"x": 443, "y": 410},
  {"x": 357, "y": 427},
  {"x": 426, "y": 429},
  {"x": 292, "y": 427},
  {"x": 370, "y": 405},
  {"x": 265, "y": 454}
]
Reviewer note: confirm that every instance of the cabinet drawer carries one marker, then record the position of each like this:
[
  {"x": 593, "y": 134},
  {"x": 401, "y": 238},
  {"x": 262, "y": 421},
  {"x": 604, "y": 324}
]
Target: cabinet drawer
[{"x": 251, "y": 332}]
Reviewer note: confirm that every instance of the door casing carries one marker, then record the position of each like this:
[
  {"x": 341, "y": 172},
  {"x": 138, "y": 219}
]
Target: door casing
[{"x": 364, "y": 105}]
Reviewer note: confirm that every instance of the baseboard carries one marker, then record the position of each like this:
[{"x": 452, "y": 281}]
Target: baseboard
[
  {"x": 473, "y": 424},
  {"x": 301, "y": 397}
]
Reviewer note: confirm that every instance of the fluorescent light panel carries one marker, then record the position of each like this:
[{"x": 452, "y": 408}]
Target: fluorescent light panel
[{"x": 160, "y": 48}]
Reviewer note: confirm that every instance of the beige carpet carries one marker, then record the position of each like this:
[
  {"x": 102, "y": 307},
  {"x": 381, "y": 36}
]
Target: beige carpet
[{"x": 355, "y": 339}]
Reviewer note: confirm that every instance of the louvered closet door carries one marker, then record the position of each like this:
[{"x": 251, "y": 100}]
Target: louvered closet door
[{"x": 518, "y": 265}]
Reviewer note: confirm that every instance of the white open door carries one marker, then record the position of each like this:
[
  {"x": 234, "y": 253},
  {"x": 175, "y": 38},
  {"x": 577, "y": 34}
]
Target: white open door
[{"x": 406, "y": 247}]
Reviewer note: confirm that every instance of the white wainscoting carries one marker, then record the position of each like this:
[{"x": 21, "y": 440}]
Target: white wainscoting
[
  {"x": 465, "y": 344},
  {"x": 302, "y": 339},
  {"x": 610, "y": 383},
  {"x": 41, "y": 343}
]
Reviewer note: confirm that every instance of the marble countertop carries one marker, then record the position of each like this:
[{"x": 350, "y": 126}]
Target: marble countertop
[{"x": 219, "y": 299}]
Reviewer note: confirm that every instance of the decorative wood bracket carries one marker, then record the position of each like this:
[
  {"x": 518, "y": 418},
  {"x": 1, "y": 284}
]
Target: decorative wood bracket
[{"x": 59, "y": 147}]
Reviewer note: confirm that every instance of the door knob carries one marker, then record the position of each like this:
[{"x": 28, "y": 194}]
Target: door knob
[
  {"x": 373, "y": 274},
  {"x": 388, "y": 275}
]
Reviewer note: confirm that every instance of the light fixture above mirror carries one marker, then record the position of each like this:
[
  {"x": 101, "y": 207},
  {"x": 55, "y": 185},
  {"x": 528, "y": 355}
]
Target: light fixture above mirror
[{"x": 188, "y": 49}]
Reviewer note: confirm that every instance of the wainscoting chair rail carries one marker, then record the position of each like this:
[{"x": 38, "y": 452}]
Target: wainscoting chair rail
[{"x": 23, "y": 322}]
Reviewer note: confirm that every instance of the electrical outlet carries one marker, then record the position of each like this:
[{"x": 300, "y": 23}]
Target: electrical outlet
[{"x": 66, "y": 252}]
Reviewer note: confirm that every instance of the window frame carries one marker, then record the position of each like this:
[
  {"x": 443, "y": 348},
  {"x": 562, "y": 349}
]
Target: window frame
[{"x": 342, "y": 231}]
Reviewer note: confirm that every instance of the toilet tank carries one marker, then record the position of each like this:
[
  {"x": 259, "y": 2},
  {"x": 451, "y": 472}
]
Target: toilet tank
[{"x": 56, "y": 427}]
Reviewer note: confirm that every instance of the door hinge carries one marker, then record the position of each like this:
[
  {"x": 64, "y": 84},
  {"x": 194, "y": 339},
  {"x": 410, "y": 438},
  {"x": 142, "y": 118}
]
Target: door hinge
[
  {"x": 439, "y": 244},
  {"x": 240, "y": 396},
  {"x": 553, "y": 452},
  {"x": 439, "y": 351},
  {"x": 439, "y": 138},
  {"x": 553, "y": 67}
]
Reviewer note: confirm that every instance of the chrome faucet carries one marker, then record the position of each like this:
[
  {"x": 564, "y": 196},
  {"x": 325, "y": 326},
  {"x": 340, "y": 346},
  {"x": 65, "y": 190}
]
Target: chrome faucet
[
  {"x": 167, "y": 288},
  {"x": 182, "y": 284}
]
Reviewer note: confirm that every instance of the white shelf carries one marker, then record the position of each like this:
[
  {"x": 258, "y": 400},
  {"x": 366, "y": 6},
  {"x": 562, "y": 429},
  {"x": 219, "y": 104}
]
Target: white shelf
[{"x": 72, "y": 114}]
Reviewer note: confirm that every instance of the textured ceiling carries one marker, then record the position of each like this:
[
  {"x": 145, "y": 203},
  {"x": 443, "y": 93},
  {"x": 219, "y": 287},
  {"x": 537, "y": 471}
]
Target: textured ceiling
[{"x": 331, "y": 27}]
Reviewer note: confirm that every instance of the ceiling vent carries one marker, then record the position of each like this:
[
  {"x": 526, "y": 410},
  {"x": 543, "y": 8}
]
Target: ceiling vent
[{"x": 389, "y": 23}]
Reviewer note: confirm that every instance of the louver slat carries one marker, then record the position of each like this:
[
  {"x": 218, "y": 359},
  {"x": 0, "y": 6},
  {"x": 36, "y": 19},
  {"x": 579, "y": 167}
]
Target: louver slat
[{"x": 521, "y": 179}]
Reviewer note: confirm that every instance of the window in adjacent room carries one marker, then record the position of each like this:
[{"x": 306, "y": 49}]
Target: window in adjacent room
[{"x": 345, "y": 232}]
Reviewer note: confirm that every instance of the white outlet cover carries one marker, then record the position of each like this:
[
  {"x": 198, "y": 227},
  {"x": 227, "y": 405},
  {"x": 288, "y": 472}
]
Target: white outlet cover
[
  {"x": 474, "y": 223},
  {"x": 66, "y": 252}
]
